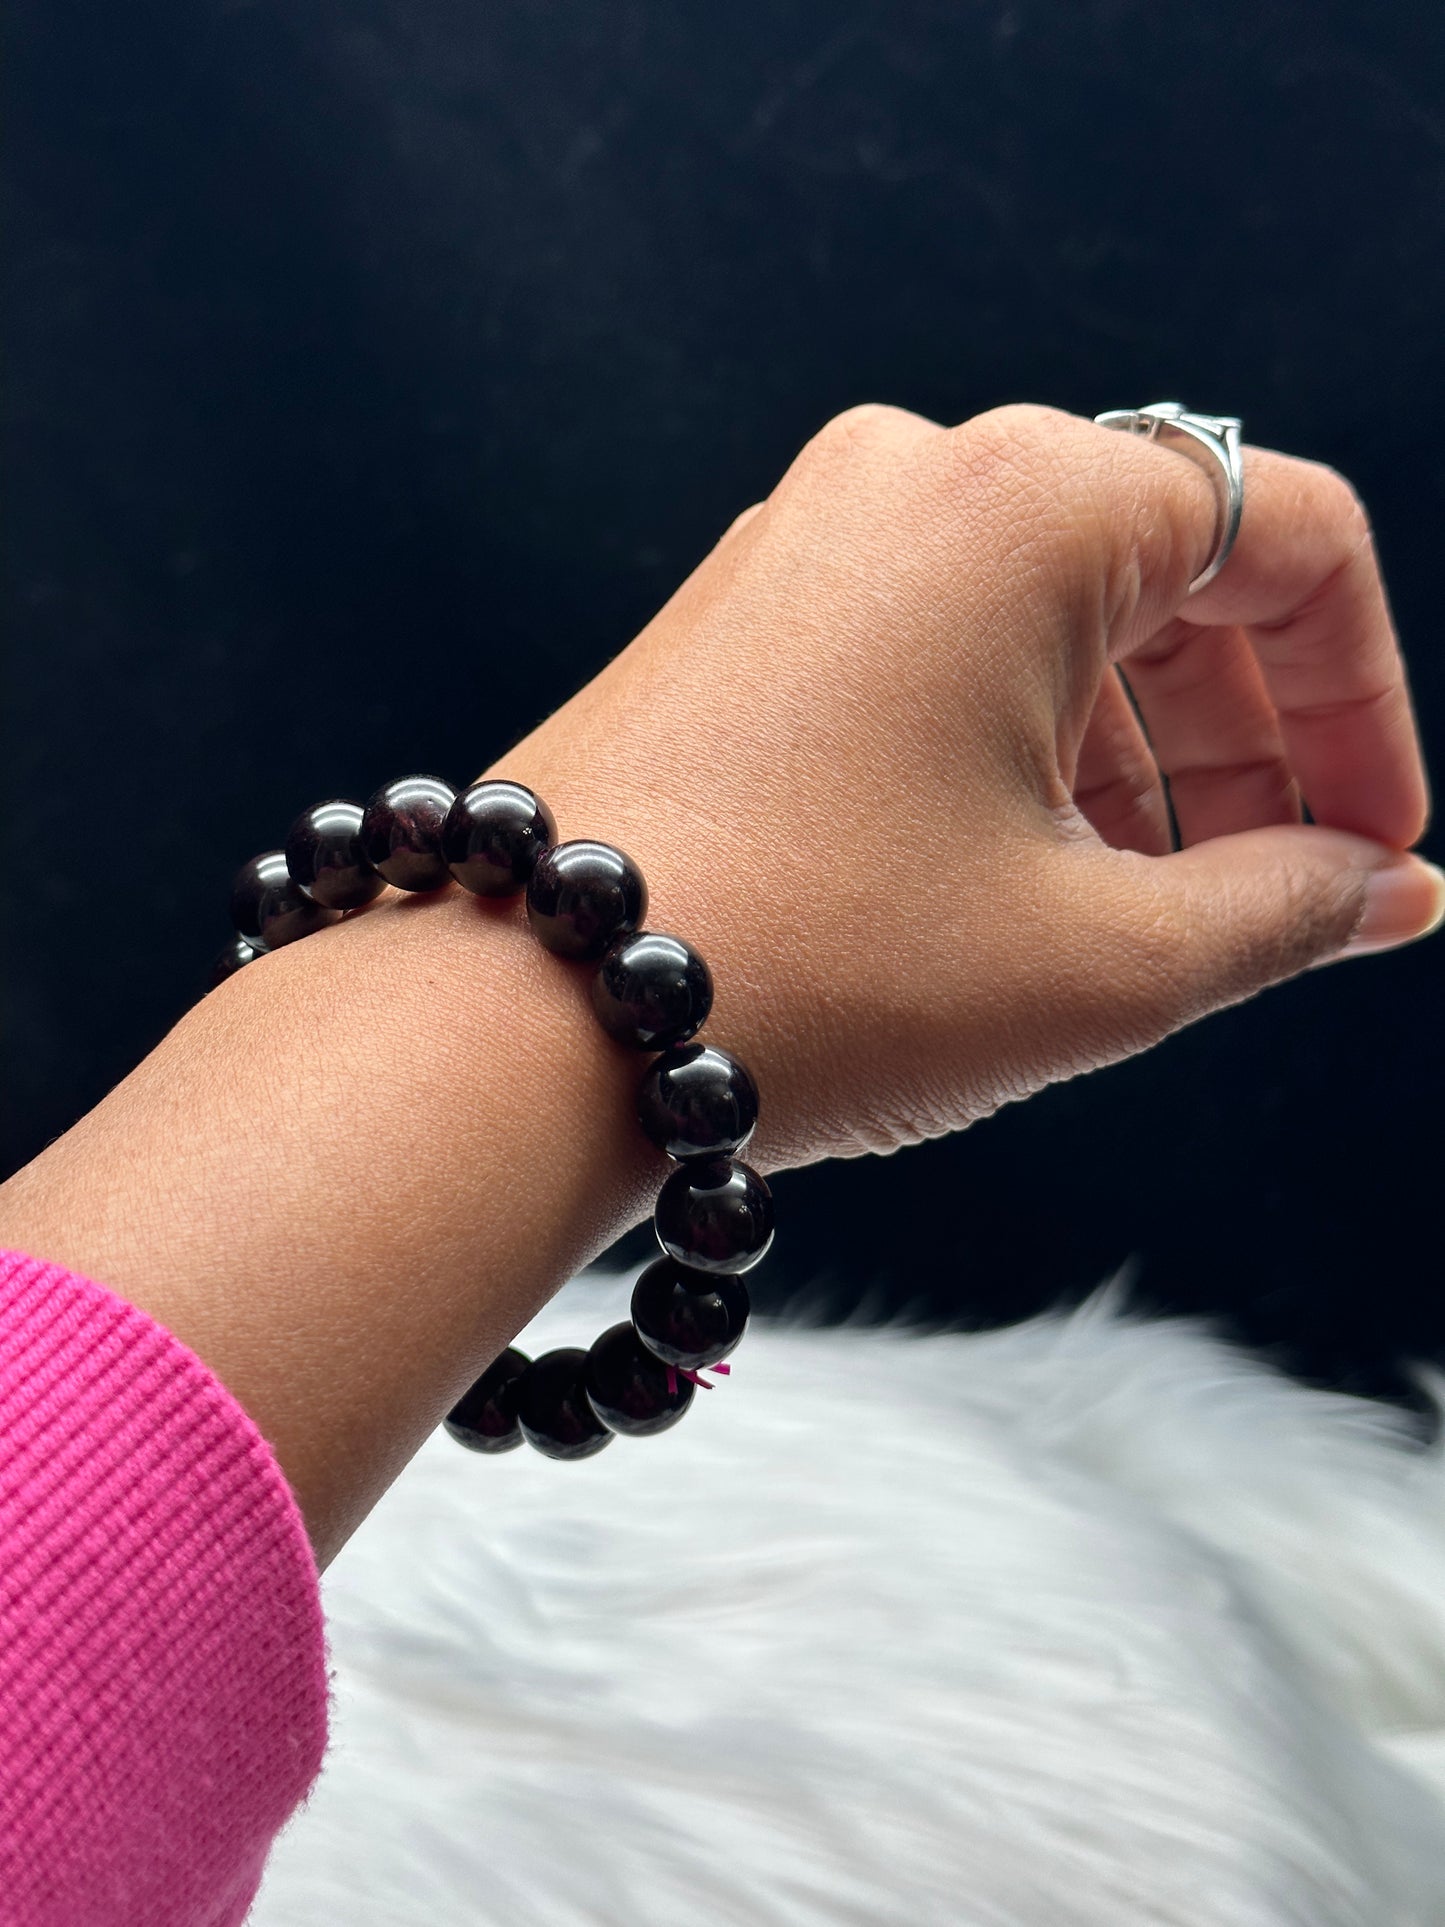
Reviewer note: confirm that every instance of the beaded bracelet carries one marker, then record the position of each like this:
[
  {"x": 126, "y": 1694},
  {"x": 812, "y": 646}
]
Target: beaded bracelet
[{"x": 586, "y": 903}]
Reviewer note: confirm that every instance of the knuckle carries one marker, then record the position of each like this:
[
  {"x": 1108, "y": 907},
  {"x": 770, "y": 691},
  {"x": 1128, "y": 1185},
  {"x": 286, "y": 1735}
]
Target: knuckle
[
  {"x": 1126, "y": 801},
  {"x": 851, "y": 455},
  {"x": 1341, "y": 503},
  {"x": 866, "y": 427},
  {"x": 1304, "y": 917},
  {"x": 1017, "y": 431},
  {"x": 1264, "y": 926},
  {"x": 1019, "y": 449},
  {"x": 1328, "y": 501},
  {"x": 1033, "y": 466}
]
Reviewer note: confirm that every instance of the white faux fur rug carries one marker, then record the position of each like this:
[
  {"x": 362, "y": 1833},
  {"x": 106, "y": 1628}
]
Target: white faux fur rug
[{"x": 1087, "y": 1623}]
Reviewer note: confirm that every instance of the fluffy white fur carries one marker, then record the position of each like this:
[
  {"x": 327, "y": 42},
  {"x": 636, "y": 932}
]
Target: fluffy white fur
[{"x": 1088, "y": 1623}]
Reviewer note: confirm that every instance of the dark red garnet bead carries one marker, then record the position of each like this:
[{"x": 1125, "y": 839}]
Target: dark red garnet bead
[
  {"x": 236, "y": 955},
  {"x": 715, "y": 1214},
  {"x": 689, "y": 1319},
  {"x": 627, "y": 1387},
  {"x": 582, "y": 897},
  {"x": 484, "y": 1419},
  {"x": 553, "y": 1408},
  {"x": 401, "y": 832},
  {"x": 696, "y": 1101},
  {"x": 651, "y": 990},
  {"x": 323, "y": 854},
  {"x": 493, "y": 835},
  {"x": 268, "y": 908}
]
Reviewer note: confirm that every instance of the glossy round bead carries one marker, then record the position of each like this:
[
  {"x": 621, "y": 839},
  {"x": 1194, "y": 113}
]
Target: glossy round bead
[
  {"x": 236, "y": 955},
  {"x": 484, "y": 1419},
  {"x": 553, "y": 1409},
  {"x": 651, "y": 990},
  {"x": 627, "y": 1386},
  {"x": 689, "y": 1318},
  {"x": 696, "y": 1101},
  {"x": 715, "y": 1214},
  {"x": 582, "y": 897},
  {"x": 268, "y": 908},
  {"x": 323, "y": 854},
  {"x": 401, "y": 832},
  {"x": 493, "y": 835}
]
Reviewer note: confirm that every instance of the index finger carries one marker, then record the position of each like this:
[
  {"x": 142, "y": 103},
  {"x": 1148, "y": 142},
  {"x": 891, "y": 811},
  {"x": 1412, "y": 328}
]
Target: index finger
[{"x": 1304, "y": 583}]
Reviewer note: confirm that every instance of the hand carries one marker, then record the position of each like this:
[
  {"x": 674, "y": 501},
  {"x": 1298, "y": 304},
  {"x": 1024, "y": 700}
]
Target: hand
[{"x": 876, "y": 759}]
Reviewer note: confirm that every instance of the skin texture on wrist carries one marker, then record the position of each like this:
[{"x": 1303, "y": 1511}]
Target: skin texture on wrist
[{"x": 350, "y": 1175}]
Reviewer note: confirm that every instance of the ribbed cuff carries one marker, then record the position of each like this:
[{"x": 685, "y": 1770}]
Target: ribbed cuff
[{"x": 162, "y": 1663}]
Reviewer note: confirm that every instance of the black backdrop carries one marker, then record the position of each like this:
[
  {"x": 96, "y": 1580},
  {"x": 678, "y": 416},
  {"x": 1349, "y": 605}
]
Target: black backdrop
[{"x": 377, "y": 368}]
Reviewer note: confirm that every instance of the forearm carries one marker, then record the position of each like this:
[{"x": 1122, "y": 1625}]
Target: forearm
[{"x": 348, "y": 1178}]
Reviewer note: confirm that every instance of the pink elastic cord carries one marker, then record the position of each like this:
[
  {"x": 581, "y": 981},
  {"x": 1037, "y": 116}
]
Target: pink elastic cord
[{"x": 697, "y": 1378}]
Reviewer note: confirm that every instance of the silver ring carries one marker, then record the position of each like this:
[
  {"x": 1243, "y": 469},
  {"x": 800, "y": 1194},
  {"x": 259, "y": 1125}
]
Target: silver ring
[{"x": 1210, "y": 440}]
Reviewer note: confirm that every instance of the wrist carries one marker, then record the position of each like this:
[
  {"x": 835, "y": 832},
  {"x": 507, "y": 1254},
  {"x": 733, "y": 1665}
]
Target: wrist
[{"x": 347, "y": 1178}]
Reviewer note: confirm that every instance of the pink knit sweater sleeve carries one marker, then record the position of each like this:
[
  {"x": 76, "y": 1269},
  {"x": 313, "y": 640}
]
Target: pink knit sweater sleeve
[{"x": 162, "y": 1666}]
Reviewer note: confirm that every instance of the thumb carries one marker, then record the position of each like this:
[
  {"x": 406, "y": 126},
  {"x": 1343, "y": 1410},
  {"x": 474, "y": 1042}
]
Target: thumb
[{"x": 1238, "y": 913}]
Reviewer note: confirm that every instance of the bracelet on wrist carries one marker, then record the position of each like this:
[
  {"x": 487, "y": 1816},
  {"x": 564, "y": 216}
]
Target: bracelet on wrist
[{"x": 586, "y": 902}]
